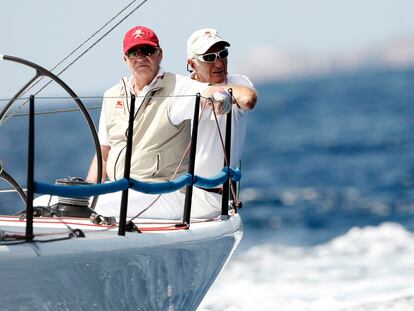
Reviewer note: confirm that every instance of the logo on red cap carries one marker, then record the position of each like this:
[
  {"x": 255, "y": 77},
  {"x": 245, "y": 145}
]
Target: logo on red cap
[{"x": 139, "y": 35}]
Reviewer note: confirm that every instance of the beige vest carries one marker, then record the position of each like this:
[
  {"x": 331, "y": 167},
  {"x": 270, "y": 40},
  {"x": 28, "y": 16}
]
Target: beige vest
[{"x": 158, "y": 145}]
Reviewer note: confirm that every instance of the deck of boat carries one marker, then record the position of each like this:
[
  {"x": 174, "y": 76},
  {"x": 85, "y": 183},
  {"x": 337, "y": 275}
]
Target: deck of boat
[{"x": 161, "y": 269}]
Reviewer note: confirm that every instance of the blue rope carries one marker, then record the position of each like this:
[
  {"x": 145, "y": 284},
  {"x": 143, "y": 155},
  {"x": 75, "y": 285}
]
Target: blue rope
[
  {"x": 161, "y": 187},
  {"x": 145, "y": 187},
  {"x": 218, "y": 179},
  {"x": 81, "y": 191},
  {"x": 234, "y": 173},
  {"x": 211, "y": 182}
]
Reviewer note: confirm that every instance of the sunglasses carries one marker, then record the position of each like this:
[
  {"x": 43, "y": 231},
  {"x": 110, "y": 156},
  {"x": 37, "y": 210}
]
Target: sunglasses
[
  {"x": 212, "y": 57},
  {"x": 145, "y": 50}
]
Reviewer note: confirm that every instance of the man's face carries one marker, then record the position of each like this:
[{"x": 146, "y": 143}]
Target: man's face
[
  {"x": 211, "y": 71},
  {"x": 144, "y": 60}
]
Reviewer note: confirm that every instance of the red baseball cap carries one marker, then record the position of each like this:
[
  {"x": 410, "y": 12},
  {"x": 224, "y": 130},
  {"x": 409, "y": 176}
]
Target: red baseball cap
[{"x": 139, "y": 35}]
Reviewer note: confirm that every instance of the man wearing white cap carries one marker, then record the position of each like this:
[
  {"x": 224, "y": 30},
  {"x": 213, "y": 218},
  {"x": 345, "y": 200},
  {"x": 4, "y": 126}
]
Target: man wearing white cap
[{"x": 207, "y": 58}]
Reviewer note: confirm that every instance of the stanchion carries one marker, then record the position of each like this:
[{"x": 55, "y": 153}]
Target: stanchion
[
  {"x": 189, "y": 189},
  {"x": 127, "y": 168},
  {"x": 30, "y": 172},
  {"x": 226, "y": 184}
]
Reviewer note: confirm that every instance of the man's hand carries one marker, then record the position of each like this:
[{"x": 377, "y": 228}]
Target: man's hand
[{"x": 222, "y": 102}]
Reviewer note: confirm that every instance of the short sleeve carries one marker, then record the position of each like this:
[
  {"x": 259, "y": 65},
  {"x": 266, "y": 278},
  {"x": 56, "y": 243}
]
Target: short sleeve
[
  {"x": 183, "y": 101},
  {"x": 241, "y": 80}
]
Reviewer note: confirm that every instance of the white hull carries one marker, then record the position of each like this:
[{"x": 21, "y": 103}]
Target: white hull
[{"x": 156, "y": 270}]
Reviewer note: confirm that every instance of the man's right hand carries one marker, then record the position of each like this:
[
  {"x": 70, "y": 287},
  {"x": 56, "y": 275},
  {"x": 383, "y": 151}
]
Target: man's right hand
[{"x": 222, "y": 102}]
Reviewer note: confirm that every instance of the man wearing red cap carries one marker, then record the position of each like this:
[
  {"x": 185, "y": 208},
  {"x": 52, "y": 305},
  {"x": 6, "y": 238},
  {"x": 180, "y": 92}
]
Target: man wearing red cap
[{"x": 164, "y": 107}]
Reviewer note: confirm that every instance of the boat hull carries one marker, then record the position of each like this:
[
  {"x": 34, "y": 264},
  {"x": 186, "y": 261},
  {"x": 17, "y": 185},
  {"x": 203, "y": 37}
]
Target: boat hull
[{"x": 158, "y": 270}]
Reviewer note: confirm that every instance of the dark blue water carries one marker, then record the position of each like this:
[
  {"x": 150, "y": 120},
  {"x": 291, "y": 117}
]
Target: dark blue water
[
  {"x": 322, "y": 155},
  {"x": 328, "y": 154}
]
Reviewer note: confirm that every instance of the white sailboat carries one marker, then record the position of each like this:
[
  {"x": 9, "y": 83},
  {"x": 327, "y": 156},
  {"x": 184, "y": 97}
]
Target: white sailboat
[
  {"x": 160, "y": 269},
  {"x": 60, "y": 262}
]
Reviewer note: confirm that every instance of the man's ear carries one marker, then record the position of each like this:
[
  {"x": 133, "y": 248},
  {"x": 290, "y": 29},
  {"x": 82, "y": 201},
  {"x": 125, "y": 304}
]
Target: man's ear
[{"x": 190, "y": 64}]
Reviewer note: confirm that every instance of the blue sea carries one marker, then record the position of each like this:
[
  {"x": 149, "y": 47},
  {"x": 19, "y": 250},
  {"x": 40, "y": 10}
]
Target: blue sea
[{"x": 327, "y": 192}]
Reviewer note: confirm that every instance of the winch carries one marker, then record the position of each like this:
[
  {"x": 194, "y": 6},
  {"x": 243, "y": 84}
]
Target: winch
[{"x": 72, "y": 207}]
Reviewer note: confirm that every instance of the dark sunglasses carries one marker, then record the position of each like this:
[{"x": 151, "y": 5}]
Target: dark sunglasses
[
  {"x": 212, "y": 57},
  {"x": 146, "y": 50}
]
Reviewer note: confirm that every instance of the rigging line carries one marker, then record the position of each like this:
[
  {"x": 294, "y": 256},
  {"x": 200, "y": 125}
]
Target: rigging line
[
  {"x": 186, "y": 152},
  {"x": 226, "y": 158},
  {"x": 82, "y": 44},
  {"x": 10, "y": 190},
  {"x": 83, "y": 53},
  {"x": 99, "y": 97},
  {"x": 60, "y": 219},
  {"x": 77, "y": 109},
  {"x": 93, "y": 35},
  {"x": 23, "y": 114}
]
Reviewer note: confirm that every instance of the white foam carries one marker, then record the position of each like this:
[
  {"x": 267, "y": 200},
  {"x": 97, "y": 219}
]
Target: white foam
[
  {"x": 365, "y": 269},
  {"x": 372, "y": 242}
]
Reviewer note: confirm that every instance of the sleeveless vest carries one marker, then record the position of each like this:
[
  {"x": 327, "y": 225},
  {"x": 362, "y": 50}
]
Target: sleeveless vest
[{"x": 158, "y": 145}]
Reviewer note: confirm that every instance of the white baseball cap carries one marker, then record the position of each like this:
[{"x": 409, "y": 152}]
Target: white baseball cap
[{"x": 201, "y": 40}]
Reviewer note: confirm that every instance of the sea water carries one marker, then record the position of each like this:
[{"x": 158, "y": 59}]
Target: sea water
[
  {"x": 327, "y": 189},
  {"x": 328, "y": 195},
  {"x": 368, "y": 268}
]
